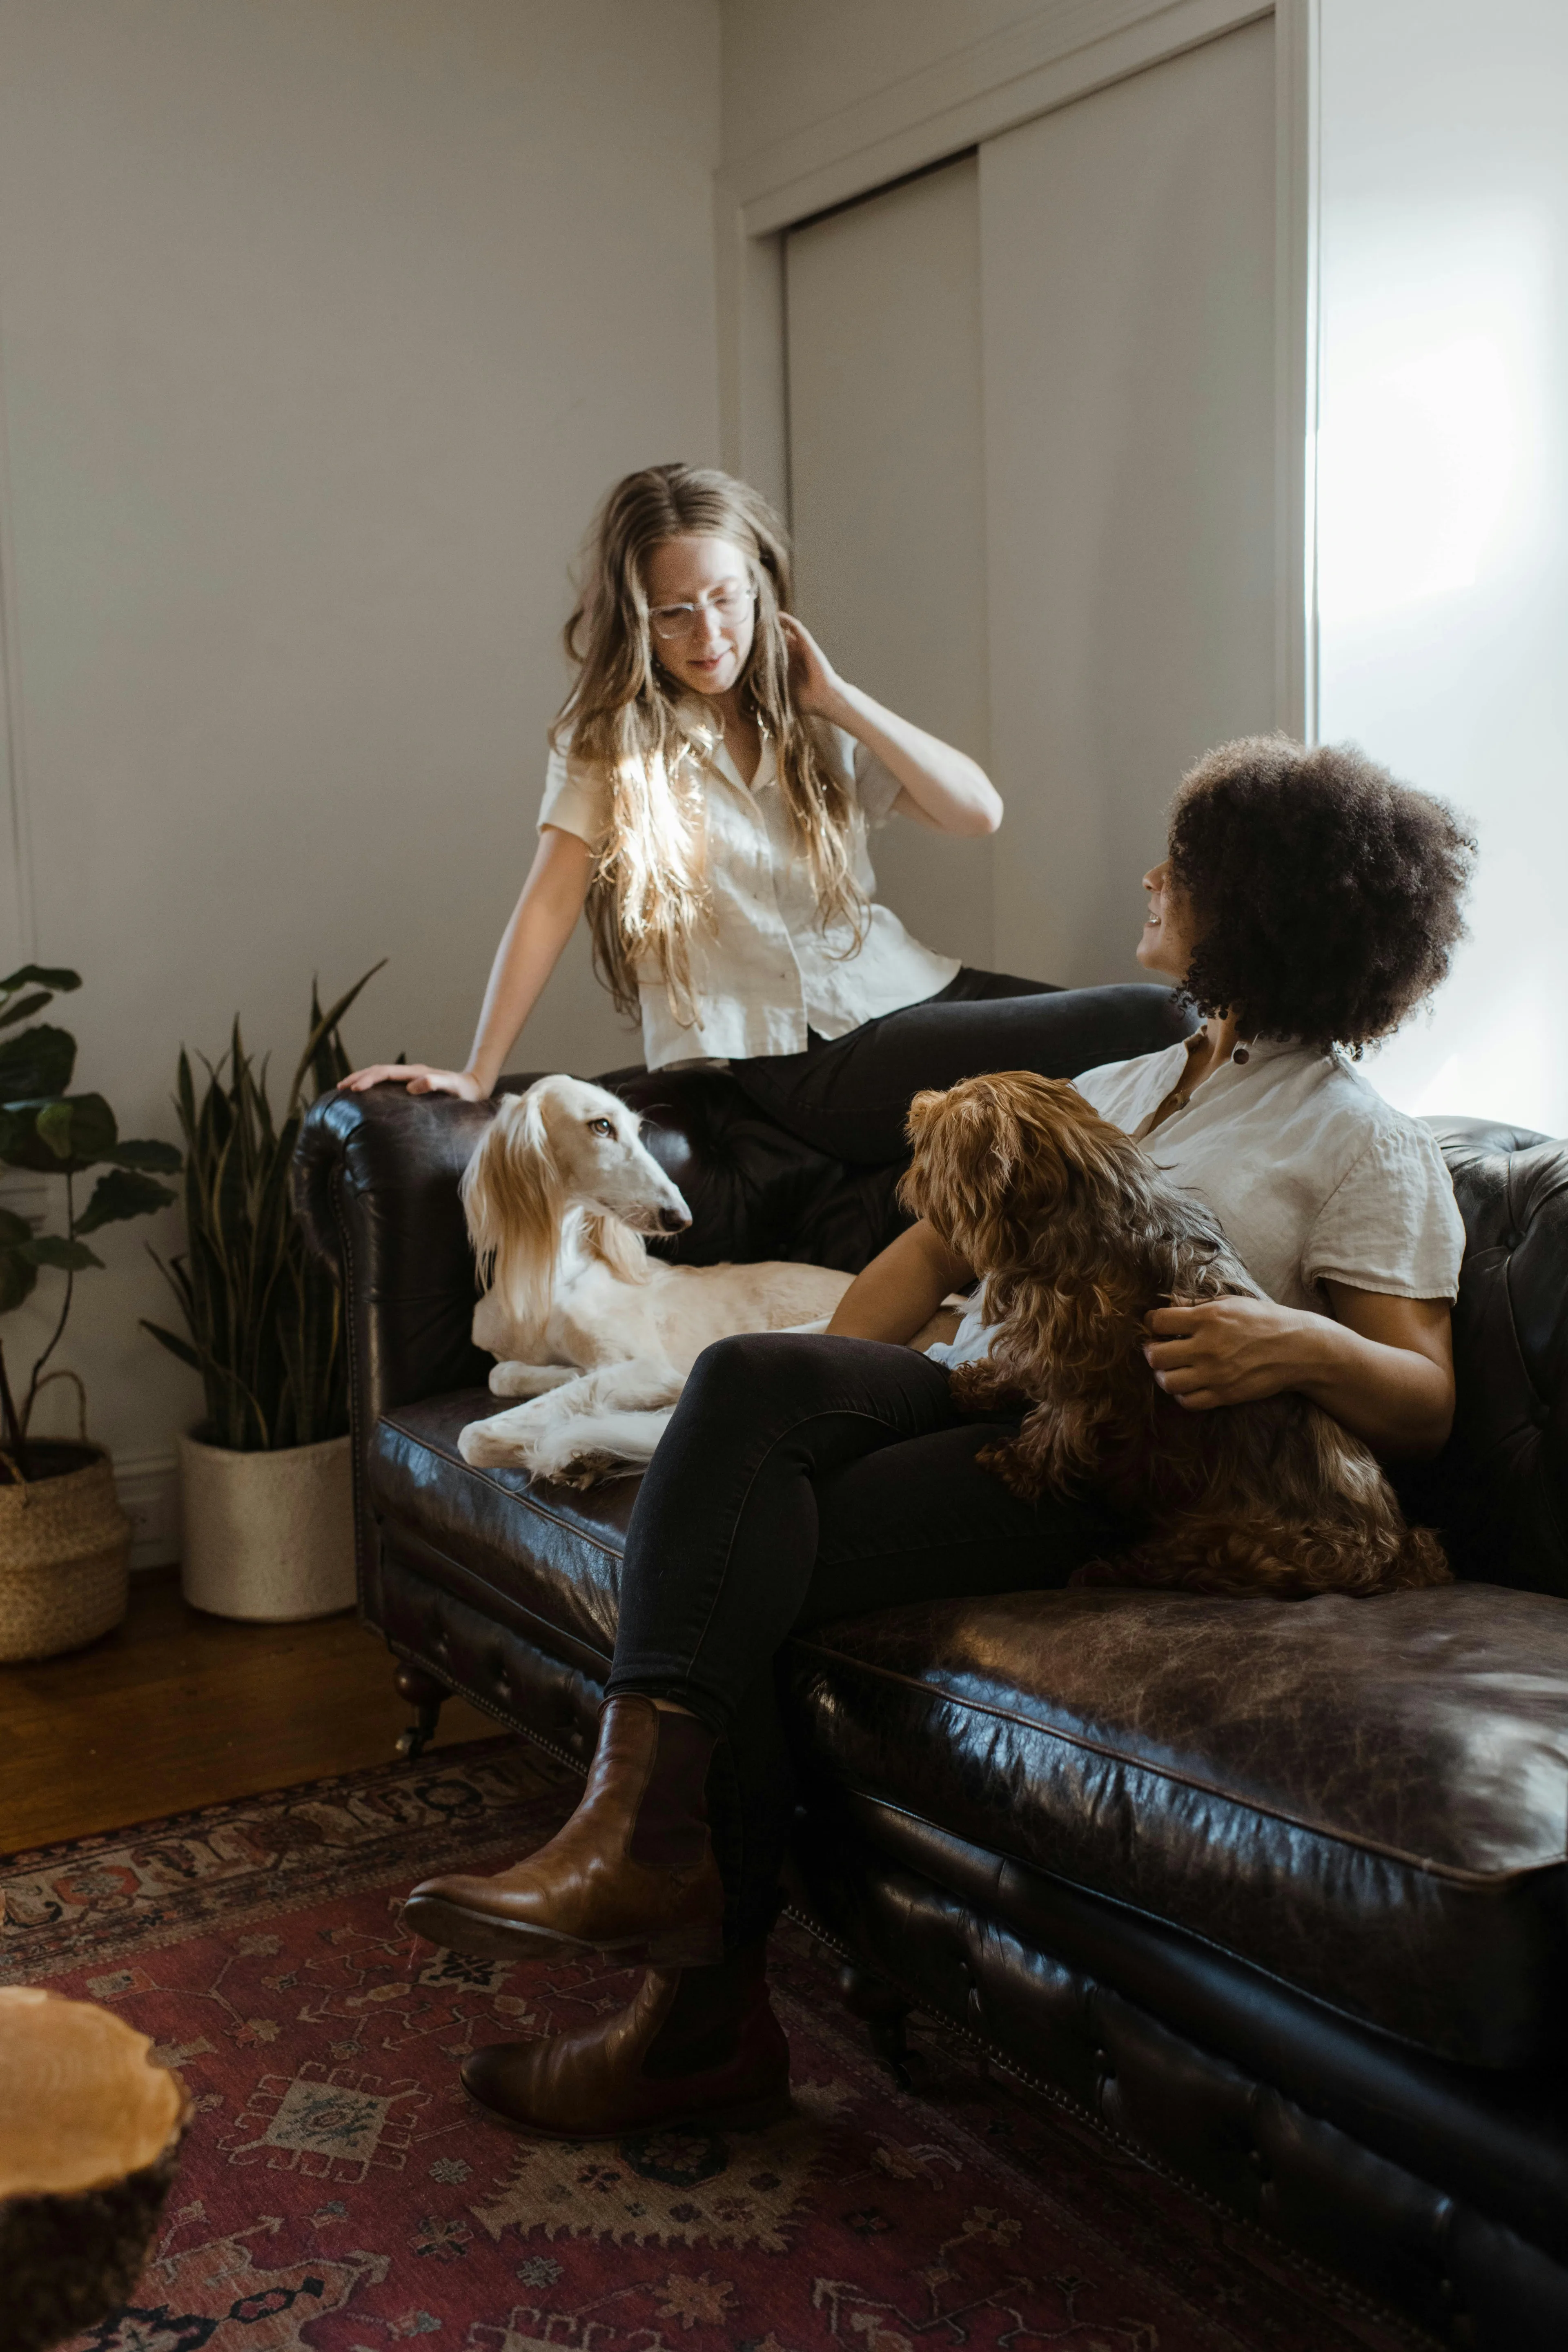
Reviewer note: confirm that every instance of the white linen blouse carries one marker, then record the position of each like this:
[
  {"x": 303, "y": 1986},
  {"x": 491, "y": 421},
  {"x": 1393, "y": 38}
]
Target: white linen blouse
[
  {"x": 1313, "y": 1176},
  {"x": 769, "y": 969}
]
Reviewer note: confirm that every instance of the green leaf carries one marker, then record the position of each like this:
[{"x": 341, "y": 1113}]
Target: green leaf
[
  {"x": 264, "y": 1322},
  {"x": 12, "y": 1014},
  {"x": 35, "y": 1063},
  {"x": 13, "y": 1229},
  {"x": 40, "y": 976},
  {"x": 53, "y": 1128},
  {"x": 123, "y": 1192},
  {"x": 322, "y": 1026},
  {"x": 154, "y": 1159},
  {"x": 69, "y": 1133},
  {"x": 18, "y": 1277},
  {"x": 53, "y": 1249},
  {"x": 21, "y": 1145},
  {"x": 94, "y": 1130},
  {"x": 175, "y": 1344}
]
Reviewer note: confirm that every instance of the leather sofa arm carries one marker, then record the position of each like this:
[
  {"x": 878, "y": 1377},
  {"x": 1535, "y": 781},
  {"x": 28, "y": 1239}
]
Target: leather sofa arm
[{"x": 375, "y": 1190}]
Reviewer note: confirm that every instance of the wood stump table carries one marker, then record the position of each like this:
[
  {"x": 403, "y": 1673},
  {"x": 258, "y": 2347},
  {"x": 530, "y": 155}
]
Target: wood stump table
[{"x": 89, "y": 2134}]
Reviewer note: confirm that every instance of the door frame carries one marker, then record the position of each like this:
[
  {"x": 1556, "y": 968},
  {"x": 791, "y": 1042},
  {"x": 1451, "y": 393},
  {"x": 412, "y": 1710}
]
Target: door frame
[{"x": 1027, "y": 69}]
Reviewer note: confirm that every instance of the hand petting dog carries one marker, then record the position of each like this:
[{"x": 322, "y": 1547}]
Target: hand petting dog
[{"x": 1220, "y": 1351}]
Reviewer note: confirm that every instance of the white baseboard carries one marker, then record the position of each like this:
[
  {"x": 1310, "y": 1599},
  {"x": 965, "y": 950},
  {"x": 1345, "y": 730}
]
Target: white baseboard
[{"x": 148, "y": 1485}]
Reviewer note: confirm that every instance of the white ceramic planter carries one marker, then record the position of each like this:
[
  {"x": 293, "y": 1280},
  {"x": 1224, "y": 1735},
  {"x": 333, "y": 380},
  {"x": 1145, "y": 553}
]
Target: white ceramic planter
[{"x": 267, "y": 1536}]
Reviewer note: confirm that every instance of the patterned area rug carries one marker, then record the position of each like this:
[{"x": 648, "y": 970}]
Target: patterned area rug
[{"x": 338, "y": 2191}]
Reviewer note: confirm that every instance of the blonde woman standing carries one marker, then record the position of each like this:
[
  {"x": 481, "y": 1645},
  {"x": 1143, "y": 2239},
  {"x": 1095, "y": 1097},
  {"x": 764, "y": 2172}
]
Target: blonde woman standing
[{"x": 710, "y": 785}]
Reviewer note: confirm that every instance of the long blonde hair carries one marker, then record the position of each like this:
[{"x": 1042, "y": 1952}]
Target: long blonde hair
[{"x": 631, "y": 723}]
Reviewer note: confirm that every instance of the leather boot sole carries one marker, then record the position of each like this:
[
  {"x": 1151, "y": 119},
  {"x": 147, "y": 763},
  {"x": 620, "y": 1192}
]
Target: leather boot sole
[{"x": 484, "y": 1937}]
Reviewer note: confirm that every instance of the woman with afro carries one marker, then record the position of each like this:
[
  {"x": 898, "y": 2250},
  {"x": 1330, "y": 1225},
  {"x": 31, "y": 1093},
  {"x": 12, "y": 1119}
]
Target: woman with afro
[{"x": 1305, "y": 904}]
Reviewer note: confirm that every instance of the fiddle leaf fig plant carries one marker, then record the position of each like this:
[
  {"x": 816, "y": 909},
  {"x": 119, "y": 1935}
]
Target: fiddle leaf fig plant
[{"x": 48, "y": 1131}]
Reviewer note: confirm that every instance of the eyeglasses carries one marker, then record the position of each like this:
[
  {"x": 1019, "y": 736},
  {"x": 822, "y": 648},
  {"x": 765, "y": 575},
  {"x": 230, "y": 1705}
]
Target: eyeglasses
[{"x": 672, "y": 621}]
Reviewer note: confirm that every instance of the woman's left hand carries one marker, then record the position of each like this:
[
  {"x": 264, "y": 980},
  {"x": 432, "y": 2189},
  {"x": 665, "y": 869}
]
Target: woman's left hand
[
  {"x": 814, "y": 683},
  {"x": 1228, "y": 1351}
]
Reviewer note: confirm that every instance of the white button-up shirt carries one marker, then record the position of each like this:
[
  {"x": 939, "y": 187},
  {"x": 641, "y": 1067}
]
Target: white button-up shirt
[{"x": 768, "y": 969}]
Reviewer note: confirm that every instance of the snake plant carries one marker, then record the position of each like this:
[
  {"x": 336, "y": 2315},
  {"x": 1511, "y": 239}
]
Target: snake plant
[
  {"x": 262, "y": 1317},
  {"x": 50, "y": 1132}
]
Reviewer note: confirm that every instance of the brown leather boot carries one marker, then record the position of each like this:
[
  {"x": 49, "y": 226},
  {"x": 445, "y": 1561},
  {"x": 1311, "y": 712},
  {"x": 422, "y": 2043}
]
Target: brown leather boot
[
  {"x": 697, "y": 2046},
  {"x": 631, "y": 1872}
]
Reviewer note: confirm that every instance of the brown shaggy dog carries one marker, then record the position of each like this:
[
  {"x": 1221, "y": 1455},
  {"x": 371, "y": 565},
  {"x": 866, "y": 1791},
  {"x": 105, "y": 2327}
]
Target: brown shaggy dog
[{"x": 1078, "y": 1235}]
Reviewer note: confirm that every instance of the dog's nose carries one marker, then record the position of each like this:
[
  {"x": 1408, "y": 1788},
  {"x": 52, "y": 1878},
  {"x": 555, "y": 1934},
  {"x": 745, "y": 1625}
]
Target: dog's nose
[{"x": 674, "y": 1221}]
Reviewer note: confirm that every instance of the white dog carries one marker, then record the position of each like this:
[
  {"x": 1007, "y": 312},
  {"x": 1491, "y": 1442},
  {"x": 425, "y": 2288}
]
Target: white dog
[{"x": 598, "y": 1335}]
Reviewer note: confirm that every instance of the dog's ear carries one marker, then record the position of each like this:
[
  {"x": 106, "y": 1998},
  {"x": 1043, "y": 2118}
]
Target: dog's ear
[
  {"x": 922, "y": 1124},
  {"x": 966, "y": 1145},
  {"x": 512, "y": 1194},
  {"x": 1097, "y": 1159}
]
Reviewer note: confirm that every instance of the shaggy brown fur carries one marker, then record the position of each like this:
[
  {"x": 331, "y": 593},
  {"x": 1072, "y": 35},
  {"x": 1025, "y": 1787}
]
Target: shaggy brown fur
[{"x": 1076, "y": 1237}]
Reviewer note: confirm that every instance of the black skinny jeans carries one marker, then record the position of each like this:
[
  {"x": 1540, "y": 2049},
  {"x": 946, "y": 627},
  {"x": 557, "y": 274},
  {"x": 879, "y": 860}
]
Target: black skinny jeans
[
  {"x": 803, "y": 1479},
  {"x": 850, "y": 1096}
]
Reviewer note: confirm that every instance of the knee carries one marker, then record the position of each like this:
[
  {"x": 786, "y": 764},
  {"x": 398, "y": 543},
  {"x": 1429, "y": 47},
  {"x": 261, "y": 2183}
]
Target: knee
[
  {"x": 749, "y": 1368},
  {"x": 1148, "y": 1015}
]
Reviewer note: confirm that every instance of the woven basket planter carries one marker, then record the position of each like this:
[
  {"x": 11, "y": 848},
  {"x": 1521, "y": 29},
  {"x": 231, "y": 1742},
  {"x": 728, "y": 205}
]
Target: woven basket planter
[
  {"x": 269, "y": 1537},
  {"x": 64, "y": 1554}
]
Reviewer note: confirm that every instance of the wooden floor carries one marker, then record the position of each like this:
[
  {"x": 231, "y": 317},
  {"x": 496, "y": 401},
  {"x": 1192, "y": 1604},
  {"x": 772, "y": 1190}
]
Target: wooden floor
[{"x": 177, "y": 1708}]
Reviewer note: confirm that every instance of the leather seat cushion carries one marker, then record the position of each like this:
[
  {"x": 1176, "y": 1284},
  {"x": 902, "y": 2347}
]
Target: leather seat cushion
[
  {"x": 546, "y": 1562},
  {"x": 1368, "y": 1799}
]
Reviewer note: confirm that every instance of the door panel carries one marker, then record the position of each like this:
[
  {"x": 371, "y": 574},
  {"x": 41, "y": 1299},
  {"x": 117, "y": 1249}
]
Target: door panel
[
  {"x": 1128, "y": 258},
  {"x": 887, "y": 483},
  {"x": 1033, "y": 447}
]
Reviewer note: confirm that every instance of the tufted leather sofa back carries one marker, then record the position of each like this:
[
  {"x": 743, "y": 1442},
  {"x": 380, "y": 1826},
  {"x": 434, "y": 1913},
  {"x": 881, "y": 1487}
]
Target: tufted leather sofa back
[
  {"x": 376, "y": 1190},
  {"x": 377, "y": 1183},
  {"x": 1500, "y": 1491}
]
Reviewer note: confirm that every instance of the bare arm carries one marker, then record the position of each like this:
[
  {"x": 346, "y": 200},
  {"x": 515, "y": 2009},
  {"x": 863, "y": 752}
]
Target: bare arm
[
  {"x": 901, "y": 1290},
  {"x": 541, "y": 922},
  {"x": 942, "y": 787},
  {"x": 1383, "y": 1367}
]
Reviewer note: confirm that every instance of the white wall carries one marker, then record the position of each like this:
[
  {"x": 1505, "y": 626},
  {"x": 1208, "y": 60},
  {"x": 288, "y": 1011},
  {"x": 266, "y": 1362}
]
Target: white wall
[
  {"x": 1443, "y": 492},
  {"x": 322, "y": 325}
]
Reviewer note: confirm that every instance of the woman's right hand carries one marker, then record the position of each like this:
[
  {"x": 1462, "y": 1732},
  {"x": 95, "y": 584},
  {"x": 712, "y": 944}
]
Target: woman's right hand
[{"x": 419, "y": 1077}]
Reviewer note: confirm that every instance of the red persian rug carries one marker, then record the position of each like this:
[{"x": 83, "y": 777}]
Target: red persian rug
[{"x": 338, "y": 2192}]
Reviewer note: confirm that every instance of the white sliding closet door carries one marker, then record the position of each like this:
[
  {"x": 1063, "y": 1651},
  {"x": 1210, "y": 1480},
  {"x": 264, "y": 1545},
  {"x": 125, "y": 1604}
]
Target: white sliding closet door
[
  {"x": 1032, "y": 437},
  {"x": 1128, "y": 251},
  {"x": 886, "y": 482}
]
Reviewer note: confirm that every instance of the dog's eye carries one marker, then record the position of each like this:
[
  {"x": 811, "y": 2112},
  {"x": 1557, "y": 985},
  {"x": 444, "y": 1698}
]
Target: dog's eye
[{"x": 601, "y": 1127}]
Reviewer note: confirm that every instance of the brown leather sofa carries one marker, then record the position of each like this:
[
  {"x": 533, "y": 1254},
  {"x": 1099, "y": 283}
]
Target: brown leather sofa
[{"x": 1277, "y": 1891}]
